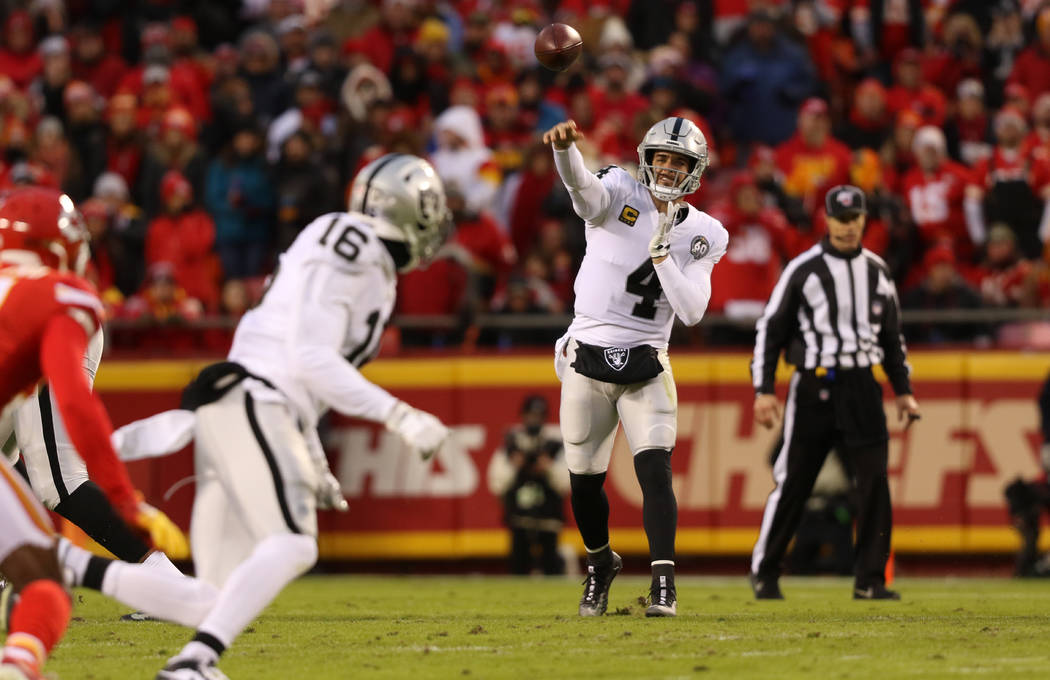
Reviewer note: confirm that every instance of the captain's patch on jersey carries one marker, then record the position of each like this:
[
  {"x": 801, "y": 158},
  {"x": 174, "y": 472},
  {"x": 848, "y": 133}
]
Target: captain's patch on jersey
[
  {"x": 629, "y": 215},
  {"x": 699, "y": 247}
]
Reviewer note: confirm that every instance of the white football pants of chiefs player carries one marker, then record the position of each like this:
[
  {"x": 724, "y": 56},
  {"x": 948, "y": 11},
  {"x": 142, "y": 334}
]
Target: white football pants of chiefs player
[
  {"x": 591, "y": 410},
  {"x": 255, "y": 479},
  {"x": 25, "y": 522}
]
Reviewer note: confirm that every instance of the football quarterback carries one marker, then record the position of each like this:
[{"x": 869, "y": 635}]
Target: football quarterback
[{"x": 649, "y": 258}]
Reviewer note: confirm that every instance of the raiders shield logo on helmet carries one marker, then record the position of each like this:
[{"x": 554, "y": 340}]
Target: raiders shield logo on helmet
[
  {"x": 616, "y": 357},
  {"x": 699, "y": 247}
]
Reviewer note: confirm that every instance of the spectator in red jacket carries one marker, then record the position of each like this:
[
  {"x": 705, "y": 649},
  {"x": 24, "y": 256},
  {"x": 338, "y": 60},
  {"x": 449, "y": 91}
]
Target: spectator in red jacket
[
  {"x": 124, "y": 139},
  {"x": 760, "y": 240},
  {"x": 505, "y": 132},
  {"x": 960, "y": 55},
  {"x": 166, "y": 307},
  {"x": 1014, "y": 184},
  {"x": 184, "y": 235},
  {"x": 18, "y": 56},
  {"x": 175, "y": 148},
  {"x": 1003, "y": 278},
  {"x": 397, "y": 28},
  {"x": 911, "y": 90},
  {"x": 812, "y": 160},
  {"x": 944, "y": 205},
  {"x": 1037, "y": 144},
  {"x": 1032, "y": 68},
  {"x": 869, "y": 123},
  {"x": 182, "y": 79},
  {"x": 92, "y": 63}
]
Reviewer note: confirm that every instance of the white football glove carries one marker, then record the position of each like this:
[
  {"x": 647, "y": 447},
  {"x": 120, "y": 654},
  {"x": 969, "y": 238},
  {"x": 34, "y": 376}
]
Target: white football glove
[
  {"x": 660, "y": 245},
  {"x": 419, "y": 429},
  {"x": 330, "y": 494}
]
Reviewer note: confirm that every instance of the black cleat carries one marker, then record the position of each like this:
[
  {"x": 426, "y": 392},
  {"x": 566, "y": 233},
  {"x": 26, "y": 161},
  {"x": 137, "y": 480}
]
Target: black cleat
[
  {"x": 595, "y": 598},
  {"x": 879, "y": 592},
  {"x": 663, "y": 601},
  {"x": 190, "y": 669},
  {"x": 138, "y": 616},
  {"x": 765, "y": 588}
]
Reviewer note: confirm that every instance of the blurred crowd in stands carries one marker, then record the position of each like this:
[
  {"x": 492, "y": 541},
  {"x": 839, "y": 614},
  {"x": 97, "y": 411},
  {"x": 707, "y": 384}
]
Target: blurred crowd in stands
[{"x": 199, "y": 137}]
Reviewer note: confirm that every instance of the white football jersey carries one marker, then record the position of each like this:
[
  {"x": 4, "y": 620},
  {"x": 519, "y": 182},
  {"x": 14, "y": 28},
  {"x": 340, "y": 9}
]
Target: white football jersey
[
  {"x": 619, "y": 301},
  {"x": 334, "y": 288}
]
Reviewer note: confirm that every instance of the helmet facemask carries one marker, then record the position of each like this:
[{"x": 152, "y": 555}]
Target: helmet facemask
[
  {"x": 678, "y": 136},
  {"x": 408, "y": 198}
]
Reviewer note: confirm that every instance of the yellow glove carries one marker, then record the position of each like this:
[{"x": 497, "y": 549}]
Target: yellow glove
[{"x": 165, "y": 535}]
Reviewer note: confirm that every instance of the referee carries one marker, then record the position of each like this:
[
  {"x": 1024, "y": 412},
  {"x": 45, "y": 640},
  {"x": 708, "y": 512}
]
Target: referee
[{"x": 835, "y": 312}]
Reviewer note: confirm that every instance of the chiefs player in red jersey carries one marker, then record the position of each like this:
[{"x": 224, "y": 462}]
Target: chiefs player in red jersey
[{"x": 47, "y": 315}]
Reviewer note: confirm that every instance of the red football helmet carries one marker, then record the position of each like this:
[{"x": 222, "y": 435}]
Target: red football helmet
[{"x": 42, "y": 226}]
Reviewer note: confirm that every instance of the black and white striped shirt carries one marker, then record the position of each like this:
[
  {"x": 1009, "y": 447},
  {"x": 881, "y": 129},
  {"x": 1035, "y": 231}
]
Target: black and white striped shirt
[{"x": 833, "y": 310}]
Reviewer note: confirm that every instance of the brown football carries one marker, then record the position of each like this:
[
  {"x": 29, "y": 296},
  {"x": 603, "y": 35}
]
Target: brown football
[{"x": 558, "y": 46}]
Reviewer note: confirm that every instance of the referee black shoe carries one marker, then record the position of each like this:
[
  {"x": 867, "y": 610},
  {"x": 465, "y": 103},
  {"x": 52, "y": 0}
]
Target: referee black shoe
[
  {"x": 765, "y": 588},
  {"x": 595, "y": 598},
  {"x": 879, "y": 592},
  {"x": 663, "y": 601}
]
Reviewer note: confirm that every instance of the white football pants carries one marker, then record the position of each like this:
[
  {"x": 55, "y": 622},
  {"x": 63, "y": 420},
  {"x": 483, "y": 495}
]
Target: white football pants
[
  {"x": 591, "y": 410},
  {"x": 254, "y": 479}
]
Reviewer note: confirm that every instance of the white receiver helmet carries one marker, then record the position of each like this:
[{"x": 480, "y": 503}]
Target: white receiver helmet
[
  {"x": 677, "y": 135},
  {"x": 406, "y": 195}
]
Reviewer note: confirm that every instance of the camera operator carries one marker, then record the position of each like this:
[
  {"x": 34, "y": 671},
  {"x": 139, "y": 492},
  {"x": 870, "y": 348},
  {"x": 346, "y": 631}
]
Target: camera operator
[
  {"x": 530, "y": 475},
  {"x": 1028, "y": 499}
]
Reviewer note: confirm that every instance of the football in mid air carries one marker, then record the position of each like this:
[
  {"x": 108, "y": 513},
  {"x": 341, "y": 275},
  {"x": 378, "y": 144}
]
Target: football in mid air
[{"x": 558, "y": 46}]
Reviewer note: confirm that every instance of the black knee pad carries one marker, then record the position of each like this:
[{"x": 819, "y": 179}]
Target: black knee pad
[
  {"x": 653, "y": 468},
  {"x": 584, "y": 484}
]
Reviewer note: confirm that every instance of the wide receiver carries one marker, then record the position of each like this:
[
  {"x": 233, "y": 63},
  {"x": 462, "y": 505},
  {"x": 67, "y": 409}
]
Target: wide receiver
[
  {"x": 649, "y": 258},
  {"x": 47, "y": 315},
  {"x": 261, "y": 471}
]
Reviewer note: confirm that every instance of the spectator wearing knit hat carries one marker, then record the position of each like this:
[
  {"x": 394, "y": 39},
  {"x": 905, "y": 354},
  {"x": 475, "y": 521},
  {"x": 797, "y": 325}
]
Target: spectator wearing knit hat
[
  {"x": 812, "y": 161},
  {"x": 239, "y": 195},
  {"x": 87, "y": 137},
  {"x": 119, "y": 238},
  {"x": 969, "y": 131},
  {"x": 50, "y": 86},
  {"x": 184, "y": 235},
  {"x": 944, "y": 205},
  {"x": 124, "y": 139},
  {"x": 175, "y": 148},
  {"x": 869, "y": 123},
  {"x": 1014, "y": 183},
  {"x": 912, "y": 91},
  {"x": 942, "y": 287},
  {"x": 305, "y": 188},
  {"x": 92, "y": 63},
  {"x": 759, "y": 244}
]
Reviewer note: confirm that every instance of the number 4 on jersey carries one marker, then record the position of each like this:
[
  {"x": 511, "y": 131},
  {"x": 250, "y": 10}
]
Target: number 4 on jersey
[{"x": 644, "y": 283}]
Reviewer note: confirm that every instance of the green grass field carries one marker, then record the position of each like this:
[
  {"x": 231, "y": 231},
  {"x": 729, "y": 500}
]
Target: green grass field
[{"x": 360, "y": 627}]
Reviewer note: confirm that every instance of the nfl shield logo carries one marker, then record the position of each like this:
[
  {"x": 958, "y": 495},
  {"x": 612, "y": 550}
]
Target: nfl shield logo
[
  {"x": 845, "y": 199},
  {"x": 616, "y": 357}
]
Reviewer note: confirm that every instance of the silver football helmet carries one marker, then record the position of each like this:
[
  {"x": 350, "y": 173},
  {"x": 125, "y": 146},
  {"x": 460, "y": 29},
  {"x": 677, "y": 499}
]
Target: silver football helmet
[
  {"x": 406, "y": 195},
  {"x": 677, "y": 135}
]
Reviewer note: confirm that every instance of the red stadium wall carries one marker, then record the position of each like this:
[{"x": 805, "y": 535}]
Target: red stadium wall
[{"x": 979, "y": 431}]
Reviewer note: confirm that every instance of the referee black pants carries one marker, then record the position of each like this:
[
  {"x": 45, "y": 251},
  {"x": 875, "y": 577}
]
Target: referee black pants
[{"x": 841, "y": 409}]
